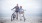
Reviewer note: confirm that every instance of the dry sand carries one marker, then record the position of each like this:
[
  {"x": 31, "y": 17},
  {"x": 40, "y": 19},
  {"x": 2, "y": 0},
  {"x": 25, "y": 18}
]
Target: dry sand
[{"x": 28, "y": 20}]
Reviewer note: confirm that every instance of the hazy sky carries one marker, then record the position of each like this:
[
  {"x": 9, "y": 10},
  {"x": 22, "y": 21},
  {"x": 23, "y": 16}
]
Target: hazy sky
[{"x": 31, "y": 6}]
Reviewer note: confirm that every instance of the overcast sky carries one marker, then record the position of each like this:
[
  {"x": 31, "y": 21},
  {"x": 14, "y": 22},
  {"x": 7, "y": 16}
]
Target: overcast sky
[{"x": 31, "y": 6}]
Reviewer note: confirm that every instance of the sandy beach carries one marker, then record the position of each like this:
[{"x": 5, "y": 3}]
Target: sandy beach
[
  {"x": 33, "y": 11},
  {"x": 28, "y": 20}
]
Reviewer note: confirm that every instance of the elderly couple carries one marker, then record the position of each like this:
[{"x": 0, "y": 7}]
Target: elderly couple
[{"x": 17, "y": 9}]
